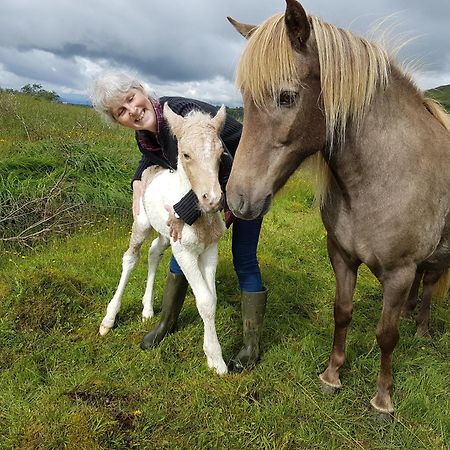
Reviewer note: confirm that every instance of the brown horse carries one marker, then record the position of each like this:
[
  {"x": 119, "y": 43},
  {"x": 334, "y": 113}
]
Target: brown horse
[{"x": 312, "y": 88}]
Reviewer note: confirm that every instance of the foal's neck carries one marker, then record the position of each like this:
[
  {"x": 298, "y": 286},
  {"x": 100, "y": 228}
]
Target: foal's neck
[{"x": 183, "y": 178}]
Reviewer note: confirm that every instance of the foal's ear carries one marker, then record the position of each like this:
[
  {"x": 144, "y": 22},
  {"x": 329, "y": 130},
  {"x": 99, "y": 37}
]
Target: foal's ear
[
  {"x": 174, "y": 120},
  {"x": 297, "y": 24},
  {"x": 242, "y": 28},
  {"x": 218, "y": 121}
]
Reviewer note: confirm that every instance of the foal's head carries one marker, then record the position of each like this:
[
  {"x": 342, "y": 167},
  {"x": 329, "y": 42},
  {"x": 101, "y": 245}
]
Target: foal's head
[{"x": 199, "y": 151}]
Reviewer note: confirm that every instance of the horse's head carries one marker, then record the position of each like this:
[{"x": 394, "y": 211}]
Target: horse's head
[
  {"x": 279, "y": 78},
  {"x": 199, "y": 152}
]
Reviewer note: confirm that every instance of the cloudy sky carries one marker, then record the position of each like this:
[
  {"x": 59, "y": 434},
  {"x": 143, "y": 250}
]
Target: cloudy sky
[{"x": 187, "y": 47}]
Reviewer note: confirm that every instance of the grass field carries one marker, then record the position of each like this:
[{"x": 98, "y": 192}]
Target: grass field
[{"x": 62, "y": 386}]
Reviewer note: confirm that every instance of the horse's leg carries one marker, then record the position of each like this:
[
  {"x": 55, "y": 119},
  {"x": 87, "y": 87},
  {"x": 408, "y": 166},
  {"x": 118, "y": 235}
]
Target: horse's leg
[
  {"x": 396, "y": 286},
  {"x": 413, "y": 296},
  {"x": 206, "y": 303},
  {"x": 139, "y": 232},
  {"x": 345, "y": 274},
  {"x": 155, "y": 254},
  {"x": 423, "y": 318}
]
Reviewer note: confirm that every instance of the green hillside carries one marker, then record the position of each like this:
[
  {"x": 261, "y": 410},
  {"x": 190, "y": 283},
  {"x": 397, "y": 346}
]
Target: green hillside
[{"x": 442, "y": 95}]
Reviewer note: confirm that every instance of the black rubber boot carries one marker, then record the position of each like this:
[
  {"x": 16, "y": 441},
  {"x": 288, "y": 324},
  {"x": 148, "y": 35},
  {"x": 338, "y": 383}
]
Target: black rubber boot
[
  {"x": 253, "y": 306},
  {"x": 173, "y": 299}
]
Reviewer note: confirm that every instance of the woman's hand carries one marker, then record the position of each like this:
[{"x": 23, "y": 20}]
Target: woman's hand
[
  {"x": 137, "y": 194},
  {"x": 175, "y": 225}
]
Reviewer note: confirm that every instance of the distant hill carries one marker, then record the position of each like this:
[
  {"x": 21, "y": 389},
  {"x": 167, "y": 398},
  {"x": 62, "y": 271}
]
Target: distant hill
[
  {"x": 74, "y": 99},
  {"x": 442, "y": 95}
]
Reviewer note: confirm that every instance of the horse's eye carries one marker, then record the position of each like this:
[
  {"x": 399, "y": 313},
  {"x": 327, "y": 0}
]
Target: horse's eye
[
  {"x": 186, "y": 156},
  {"x": 287, "y": 98}
]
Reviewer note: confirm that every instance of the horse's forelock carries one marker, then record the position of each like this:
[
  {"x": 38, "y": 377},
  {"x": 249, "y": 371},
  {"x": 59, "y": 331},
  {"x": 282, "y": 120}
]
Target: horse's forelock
[
  {"x": 267, "y": 63},
  {"x": 351, "y": 69}
]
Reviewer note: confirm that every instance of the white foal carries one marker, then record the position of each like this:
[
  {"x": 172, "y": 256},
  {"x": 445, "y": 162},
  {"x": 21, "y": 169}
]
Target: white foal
[{"x": 199, "y": 152}]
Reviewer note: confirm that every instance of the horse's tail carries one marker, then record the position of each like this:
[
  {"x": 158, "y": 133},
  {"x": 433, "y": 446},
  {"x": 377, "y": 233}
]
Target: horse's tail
[
  {"x": 438, "y": 111},
  {"x": 322, "y": 177},
  {"x": 442, "y": 286}
]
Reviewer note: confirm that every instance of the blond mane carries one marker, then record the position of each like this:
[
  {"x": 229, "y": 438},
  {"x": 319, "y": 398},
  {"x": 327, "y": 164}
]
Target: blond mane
[{"x": 351, "y": 70}]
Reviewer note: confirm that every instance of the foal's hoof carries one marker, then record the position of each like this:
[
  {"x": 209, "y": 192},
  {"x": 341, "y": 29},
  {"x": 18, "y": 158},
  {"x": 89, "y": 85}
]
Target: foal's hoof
[
  {"x": 328, "y": 388},
  {"x": 103, "y": 330},
  {"x": 147, "y": 316},
  {"x": 221, "y": 368}
]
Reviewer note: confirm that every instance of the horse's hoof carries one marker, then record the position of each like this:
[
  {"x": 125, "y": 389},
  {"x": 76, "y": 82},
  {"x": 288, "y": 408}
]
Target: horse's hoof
[
  {"x": 422, "y": 334},
  {"x": 103, "y": 330},
  {"x": 384, "y": 415},
  {"x": 328, "y": 388}
]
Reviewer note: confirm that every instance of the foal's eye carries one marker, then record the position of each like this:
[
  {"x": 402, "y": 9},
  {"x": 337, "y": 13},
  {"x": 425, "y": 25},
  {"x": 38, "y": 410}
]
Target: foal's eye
[{"x": 287, "y": 98}]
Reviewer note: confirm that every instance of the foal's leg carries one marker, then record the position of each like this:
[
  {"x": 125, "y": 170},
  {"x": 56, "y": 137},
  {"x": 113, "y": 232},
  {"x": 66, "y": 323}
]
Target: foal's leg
[
  {"x": 206, "y": 304},
  {"x": 345, "y": 274},
  {"x": 208, "y": 264},
  {"x": 423, "y": 318},
  {"x": 155, "y": 254},
  {"x": 396, "y": 286},
  {"x": 141, "y": 229}
]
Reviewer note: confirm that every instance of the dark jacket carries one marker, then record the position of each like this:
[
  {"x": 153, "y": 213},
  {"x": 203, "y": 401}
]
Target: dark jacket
[{"x": 162, "y": 150}]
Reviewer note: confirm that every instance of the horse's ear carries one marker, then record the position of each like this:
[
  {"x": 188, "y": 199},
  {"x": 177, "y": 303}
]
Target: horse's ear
[
  {"x": 174, "y": 120},
  {"x": 218, "y": 121},
  {"x": 297, "y": 24},
  {"x": 242, "y": 28}
]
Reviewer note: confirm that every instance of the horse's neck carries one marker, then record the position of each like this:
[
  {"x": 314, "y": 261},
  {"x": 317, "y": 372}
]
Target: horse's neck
[{"x": 389, "y": 140}]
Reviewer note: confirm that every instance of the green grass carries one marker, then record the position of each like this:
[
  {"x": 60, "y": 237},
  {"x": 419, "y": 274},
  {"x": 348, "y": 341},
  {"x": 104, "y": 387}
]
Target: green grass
[{"x": 62, "y": 386}]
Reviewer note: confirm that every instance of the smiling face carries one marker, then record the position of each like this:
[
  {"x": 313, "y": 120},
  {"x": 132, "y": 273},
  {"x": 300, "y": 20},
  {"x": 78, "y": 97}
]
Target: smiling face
[{"x": 135, "y": 110}]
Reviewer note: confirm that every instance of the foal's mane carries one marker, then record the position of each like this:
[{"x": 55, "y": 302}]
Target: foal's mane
[
  {"x": 197, "y": 117},
  {"x": 351, "y": 70}
]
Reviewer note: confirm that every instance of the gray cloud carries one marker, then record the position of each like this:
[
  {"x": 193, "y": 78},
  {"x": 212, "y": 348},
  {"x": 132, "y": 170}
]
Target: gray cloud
[{"x": 183, "y": 47}]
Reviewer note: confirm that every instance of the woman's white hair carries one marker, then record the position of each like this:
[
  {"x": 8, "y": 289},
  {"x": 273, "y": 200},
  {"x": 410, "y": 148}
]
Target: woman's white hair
[{"x": 109, "y": 88}]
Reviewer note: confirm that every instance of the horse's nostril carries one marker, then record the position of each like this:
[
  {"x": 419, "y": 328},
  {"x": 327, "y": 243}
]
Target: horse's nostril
[{"x": 241, "y": 202}]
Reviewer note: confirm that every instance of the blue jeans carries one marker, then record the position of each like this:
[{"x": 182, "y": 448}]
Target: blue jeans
[{"x": 244, "y": 245}]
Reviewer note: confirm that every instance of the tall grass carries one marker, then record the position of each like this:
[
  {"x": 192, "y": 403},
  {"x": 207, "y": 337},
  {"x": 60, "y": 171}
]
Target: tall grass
[
  {"x": 59, "y": 167},
  {"x": 62, "y": 386}
]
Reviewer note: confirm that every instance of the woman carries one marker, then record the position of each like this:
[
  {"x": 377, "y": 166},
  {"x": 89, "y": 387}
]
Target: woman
[{"x": 122, "y": 99}]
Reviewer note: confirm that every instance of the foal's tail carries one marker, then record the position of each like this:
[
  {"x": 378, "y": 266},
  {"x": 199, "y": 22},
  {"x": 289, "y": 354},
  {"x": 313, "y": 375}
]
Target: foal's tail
[
  {"x": 442, "y": 286},
  {"x": 436, "y": 110}
]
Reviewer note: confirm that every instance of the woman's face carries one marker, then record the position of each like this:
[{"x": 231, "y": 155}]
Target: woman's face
[{"x": 135, "y": 110}]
